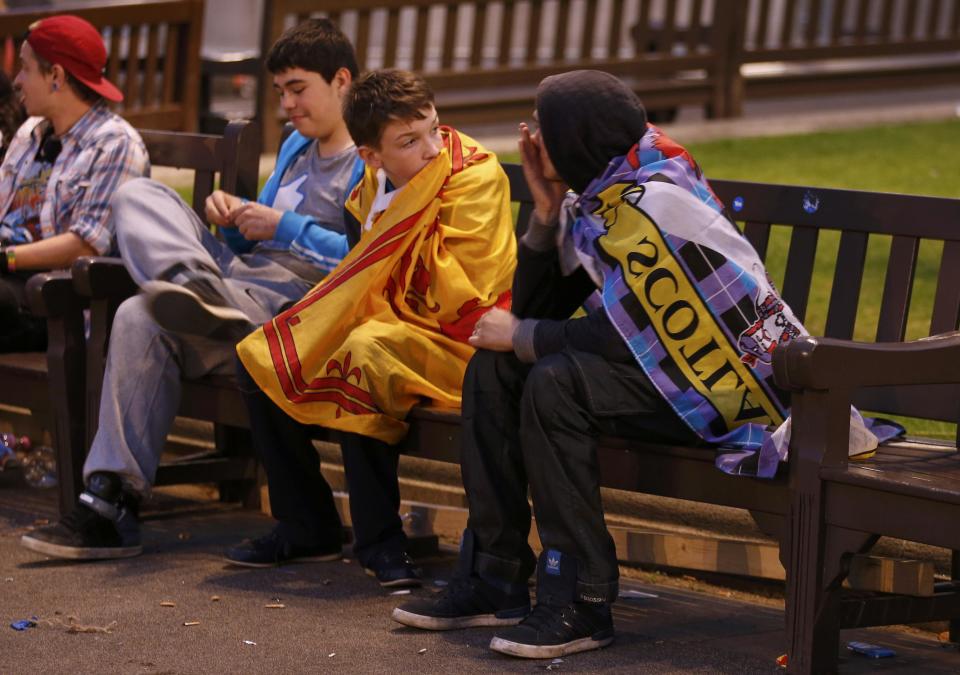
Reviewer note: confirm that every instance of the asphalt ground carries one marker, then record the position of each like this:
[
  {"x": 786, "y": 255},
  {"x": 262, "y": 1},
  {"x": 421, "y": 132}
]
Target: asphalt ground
[{"x": 334, "y": 617}]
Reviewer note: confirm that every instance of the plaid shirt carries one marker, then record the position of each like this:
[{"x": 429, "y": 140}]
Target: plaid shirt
[{"x": 100, "y": 151}]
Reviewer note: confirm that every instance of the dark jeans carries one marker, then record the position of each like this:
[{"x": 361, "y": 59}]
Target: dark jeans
[
  {"x": 20, "y": 331},
  {"x": 301, "y": 499},
  {"x": 537, "y": 425}
]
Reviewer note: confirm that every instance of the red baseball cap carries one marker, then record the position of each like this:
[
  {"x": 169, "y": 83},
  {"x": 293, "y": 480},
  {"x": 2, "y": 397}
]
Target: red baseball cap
[{"x": 77, "y": 46}]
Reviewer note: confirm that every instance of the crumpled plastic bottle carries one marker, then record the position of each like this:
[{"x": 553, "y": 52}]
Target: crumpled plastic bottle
[{"x": 39, "y": 466}]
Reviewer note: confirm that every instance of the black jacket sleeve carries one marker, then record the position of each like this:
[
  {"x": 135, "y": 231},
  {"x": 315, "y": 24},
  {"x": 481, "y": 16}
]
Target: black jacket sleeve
[{"x": 542, "y": 292}]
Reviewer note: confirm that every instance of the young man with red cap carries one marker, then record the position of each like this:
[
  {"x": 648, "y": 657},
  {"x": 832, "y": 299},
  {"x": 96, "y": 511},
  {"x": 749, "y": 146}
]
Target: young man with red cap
[{"x": 61, "y": 168}]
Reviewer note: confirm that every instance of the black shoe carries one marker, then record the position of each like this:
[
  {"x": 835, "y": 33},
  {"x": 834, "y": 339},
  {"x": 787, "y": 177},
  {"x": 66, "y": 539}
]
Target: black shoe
[
  {"x": 85, "y": 535},
  {"x": 196, "y": 308},
  {"x": 394, "y": 569},
  {"x": 465, "y": 603},
  {"x": 551, "y": 631},
  {"x": 274, "y": 549}
]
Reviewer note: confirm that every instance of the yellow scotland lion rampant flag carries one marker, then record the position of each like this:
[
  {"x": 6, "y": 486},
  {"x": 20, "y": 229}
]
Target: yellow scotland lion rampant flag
[{"x": 387, "y": 329}]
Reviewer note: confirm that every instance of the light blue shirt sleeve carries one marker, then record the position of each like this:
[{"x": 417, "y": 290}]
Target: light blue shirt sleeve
[{"x": 309, "y": 238}]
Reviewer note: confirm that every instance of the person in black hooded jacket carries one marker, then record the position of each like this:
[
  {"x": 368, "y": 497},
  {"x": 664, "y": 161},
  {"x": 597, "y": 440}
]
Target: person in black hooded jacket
[{"x": 539, "y": 391}]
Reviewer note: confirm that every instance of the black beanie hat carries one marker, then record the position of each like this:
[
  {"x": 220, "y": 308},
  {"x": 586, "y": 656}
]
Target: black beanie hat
[{"x": 587, "y": 117}]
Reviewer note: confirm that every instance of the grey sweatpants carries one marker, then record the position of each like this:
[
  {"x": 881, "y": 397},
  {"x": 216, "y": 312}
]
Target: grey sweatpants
[{"x": 141, "y": 388}]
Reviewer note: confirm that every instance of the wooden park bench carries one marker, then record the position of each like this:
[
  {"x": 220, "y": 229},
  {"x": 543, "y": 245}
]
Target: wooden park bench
[
  {"x": 792, "y": 48},
  {"x": 821, "y": 509},
  {"x": 58, "y": 386},
  {"x": 153, "y": 52},
  {"x": 485, "y": 59}
]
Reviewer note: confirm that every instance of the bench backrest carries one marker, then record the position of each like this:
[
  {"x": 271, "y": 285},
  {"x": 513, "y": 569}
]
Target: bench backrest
[
  {"x": 233, "y": 157},
  {"x": 892, "y": 261},
  {"x": 670, "y": 52},
  {"x": 786, "y": 30},
  {"x": 153, "y": 52}
]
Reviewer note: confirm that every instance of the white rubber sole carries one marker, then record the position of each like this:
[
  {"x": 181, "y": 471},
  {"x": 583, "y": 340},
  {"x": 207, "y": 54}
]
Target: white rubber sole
[
  {"x": 396, "y": 583},
  {"x": 306, "y": 559},
  {"x": 547, "y": 651},
  {"x": 440, "y": 623},
  {"x": 75, "y": 553},
  {"x": 179, "y": 310}
]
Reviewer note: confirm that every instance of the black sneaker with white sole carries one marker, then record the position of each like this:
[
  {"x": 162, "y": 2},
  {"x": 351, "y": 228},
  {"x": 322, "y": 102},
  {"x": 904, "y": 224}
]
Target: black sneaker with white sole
[
  {"x": 103, "y": 525},
  {"x": 466, "y": 603},
  {"x": 196, "y": 307},
  {"x": 551, "y": 631},
  {"x": 274, "y": 549},
  {"x": 394, "y": 569}
]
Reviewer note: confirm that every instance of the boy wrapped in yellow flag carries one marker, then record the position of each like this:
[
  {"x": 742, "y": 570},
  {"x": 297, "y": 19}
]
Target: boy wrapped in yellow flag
[{"x": 386, "y": 330}]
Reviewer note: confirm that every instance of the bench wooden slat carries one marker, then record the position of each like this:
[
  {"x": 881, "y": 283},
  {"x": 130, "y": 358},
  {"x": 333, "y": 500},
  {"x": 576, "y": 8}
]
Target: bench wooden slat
[
  {"x": 29, "y": 364},
  {"x": 668, "y": 29},
  {"x": 937, "y": 478},
  {"x": 836, "y": 20},
  {"x": 113, "y": 60},
  {"x": 852, "y": 50},
  {"x": 761, "y": 35},
  {"x": 449, "y": 35},
  {"x": 695, "y": 29},
  {"x": 886, "y": 19},
  {"x": 933, "y": 15},
  {"x": 644, "y": 42},
  {"x": 799, "y": 271},
  {"x": 813, "y": 22},
  {"x": 946, "y": 302},
  {"x": 132, "y": 95},
  {"x": 758, "y": 234},
  {"x": 585, "y": 50},
  {"x": 563, "y": 24},
  {"x": 909, "y": 19},
  {"x": 533, "y": 31},
  {"x": 421, "y": 38},
  {"x": 479, "y": 30},
  {"x": 203, "y": 182},
  {"x": 847, "y": 279},
  {"x": 362, "y": 43},
  {"x": 789, "y": 20},
  {"x": 393, "y": 30},
  {"x": 170, "y": 67},
  {"x": 897, "y": 287},
  {"x": 861, "y": 28},
  {"x": 506, "y": 32},
  {"x": 150, "y": 72}
]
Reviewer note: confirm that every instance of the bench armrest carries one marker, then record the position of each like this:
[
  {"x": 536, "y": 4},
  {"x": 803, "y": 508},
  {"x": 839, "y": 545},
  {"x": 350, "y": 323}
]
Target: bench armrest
[
  {"x": 816, "y": 363},
  {"x": 102, "y": 277},
  {"x": 52, "y": 295}
]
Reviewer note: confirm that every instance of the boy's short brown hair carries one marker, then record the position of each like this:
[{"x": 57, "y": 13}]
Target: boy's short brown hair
[
  {"x": 317, "y": 45},
  {"x": 381, "y": 96}
]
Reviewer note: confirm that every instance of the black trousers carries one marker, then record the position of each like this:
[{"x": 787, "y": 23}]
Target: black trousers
[
  {"x": 537, "y": 426},
  {"x": 301, "y": 499},
  {"x": 20, "y": 331}
]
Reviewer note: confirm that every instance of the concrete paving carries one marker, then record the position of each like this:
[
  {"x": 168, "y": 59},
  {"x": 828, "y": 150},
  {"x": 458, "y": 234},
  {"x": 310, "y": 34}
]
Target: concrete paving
[{"x": 335, "y": 618}]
